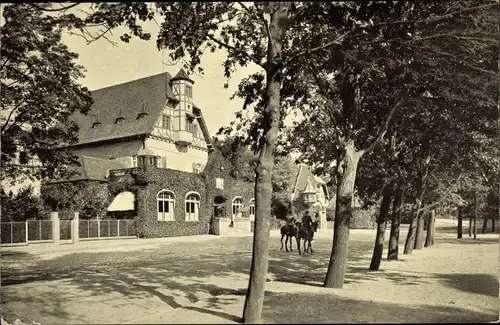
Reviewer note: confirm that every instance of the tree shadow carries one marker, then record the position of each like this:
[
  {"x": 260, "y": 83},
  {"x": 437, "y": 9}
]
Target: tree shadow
[
  {"x": 358, "y": 274},
  {"x": 179, "y": 274},
  {"x": 221, "y": 314},
  {"x": 484, "y": 284},
  {"x": 468, "y": 241},
  {"x": 5, "y": 252},
  {"x": 300, "y": 308}
]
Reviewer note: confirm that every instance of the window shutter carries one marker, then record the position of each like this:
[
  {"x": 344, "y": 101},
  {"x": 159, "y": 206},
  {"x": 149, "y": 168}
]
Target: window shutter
[{"x": 164, "y": 162}]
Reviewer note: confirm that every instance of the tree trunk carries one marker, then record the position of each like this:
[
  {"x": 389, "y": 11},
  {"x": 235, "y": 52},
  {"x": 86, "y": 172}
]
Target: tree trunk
[
  {"x": 485, "y": 226},
  {"x": 470, "y": 227},
  {"x": 429, "y": 239},
  {"x": 410, "y": 238},
  {"x": 343, "y": 212},
  {"x": 393, "y": 248},
  {"x": 419, "y": 234},
  {"x": 378, "y": 248},
  {"x": 254, "y": 301},
  {"x": 493, "y": 225},
  {"x": 459, "y": 225},
  {"x": 475, "y": 228},
  {"x": 475, "y": 214}
]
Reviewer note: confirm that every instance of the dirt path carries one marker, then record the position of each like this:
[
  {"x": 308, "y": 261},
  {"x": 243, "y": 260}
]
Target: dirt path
[{"x": 205, "y": 283}]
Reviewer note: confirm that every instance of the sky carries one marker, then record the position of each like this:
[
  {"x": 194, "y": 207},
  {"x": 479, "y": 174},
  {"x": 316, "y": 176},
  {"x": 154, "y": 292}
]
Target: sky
[{"x": 108, "y": 65}]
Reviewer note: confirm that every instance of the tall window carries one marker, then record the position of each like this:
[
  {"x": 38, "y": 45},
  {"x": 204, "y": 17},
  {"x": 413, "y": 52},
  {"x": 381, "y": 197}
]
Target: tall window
[
  {"x": 194, "y": 130},
  {"x": 252, "y": 209},
  {"x": 189, "y": 124},
  {"x": 192, "y": 206},
  {"x": 166, "y": 203},
  {"x": 237, "y": 205},
  {"x": 189, "y": 91},
  {"x": 134, "y": 161},
  {"x": 158, "y": 162},
  {"x": 23, "y": 158},
  {"x": 165, "y": 123}
]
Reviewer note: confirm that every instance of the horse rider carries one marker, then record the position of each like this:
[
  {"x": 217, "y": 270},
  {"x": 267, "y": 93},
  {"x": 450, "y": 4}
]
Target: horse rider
[
  {"x": 290, "y": 219},
  {"x": 307, "y": 220}
]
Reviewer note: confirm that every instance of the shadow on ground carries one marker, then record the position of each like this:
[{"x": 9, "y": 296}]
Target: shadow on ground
[
  {"x": 178, "y": 274},
  {"x": 469, "y": 240},
  {"x": 303, "y": 308},
  {"x": 470, "y": 283}
]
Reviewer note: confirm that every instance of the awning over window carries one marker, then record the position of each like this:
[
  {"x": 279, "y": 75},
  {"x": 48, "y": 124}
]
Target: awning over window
[{"x": 122, "y": 202}]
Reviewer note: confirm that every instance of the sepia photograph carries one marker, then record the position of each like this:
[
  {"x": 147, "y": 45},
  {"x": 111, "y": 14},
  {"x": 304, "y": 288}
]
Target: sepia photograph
[{"x": 250, "y": 162}]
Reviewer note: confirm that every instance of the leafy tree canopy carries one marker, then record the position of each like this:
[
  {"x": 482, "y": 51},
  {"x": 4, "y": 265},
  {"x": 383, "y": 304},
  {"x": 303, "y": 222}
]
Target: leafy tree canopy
[{"x": 39, "y": 90}]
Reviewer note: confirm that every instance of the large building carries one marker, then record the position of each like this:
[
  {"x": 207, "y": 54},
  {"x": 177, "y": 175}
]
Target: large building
[
  {"x": 146, "y": 143},
  {"x": 145, "y": 146},
  {"x": 154, "y": 115}
]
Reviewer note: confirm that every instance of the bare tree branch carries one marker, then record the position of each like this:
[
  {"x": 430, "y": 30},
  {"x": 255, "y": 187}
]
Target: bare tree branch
[
  {"x": 4, "y": 127},
  {"x": 235, "y": 50},
  {"x": 456, "y": 36},
  {"x": 384, "y": 128},
  {"x": 52, "y": 9},
  {"x": 437, "y": 18},
  {"x": 454, "y": 58},
  {"x": 337, "y": 41},
  {"x": 324, "y": 90},
  {"x": 264, "y": 21},
  {"x": 341, "y": 38},
  {"x": 441, "y": 199}
]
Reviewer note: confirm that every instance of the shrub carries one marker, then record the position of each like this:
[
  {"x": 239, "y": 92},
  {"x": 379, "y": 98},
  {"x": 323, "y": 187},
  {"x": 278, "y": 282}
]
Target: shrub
[
  {"x": 90, "y": 198},
  {"x": 22, "y": 206}
]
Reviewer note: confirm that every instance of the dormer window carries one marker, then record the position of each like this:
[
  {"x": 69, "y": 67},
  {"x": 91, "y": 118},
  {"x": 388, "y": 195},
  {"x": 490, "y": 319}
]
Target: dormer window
[
  {"x": 119, "y": 120},
  {"x": 141, "y": 115},
  {"x": 96, "y": 124}
]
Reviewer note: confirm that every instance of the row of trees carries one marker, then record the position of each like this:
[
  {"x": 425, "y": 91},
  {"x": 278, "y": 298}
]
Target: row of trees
[{"x": 397, "y": 99}]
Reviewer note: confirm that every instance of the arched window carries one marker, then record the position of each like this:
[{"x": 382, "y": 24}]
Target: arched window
[
  {"x": 251, "y": 206},
  {"x": 237, "y": 205},
  {"x": 166, "y": 203},
  {"x": 192, "y": 206}
]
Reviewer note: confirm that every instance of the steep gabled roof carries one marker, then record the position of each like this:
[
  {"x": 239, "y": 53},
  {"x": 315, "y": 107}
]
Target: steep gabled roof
[
  {"x": 303, "y": 178},
  {"x": 125, "y": 100},
  {"x": 182, "y": 75},
  {"x": 91, "y": 169},
  {"x": 138, "y": 104}
]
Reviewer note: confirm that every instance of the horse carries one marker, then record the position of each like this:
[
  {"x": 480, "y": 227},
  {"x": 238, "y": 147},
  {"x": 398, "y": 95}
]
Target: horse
[
  {"x": 306, "y": 234},
  {"x": 290, "y": 231}
]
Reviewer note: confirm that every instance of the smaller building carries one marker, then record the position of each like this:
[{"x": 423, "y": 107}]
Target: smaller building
[{"x": 311, "y": 194}]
